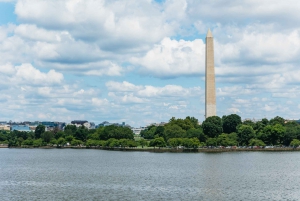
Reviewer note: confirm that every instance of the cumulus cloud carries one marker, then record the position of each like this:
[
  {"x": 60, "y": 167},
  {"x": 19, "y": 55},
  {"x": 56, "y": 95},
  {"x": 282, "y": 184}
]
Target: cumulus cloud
[
  {"x": 27, "y": 74},
  {"x": 122, "y": 86},
  {"x": 172, "y": 58},
  {"x": 121, "y": 26},
  {"x": 149, "y": 91}
]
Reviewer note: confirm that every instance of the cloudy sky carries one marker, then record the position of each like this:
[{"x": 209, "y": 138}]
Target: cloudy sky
[{"x": 143, "y": 61}]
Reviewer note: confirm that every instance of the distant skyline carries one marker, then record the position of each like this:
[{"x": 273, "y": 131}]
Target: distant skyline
[{"x": 144, "y": 61}]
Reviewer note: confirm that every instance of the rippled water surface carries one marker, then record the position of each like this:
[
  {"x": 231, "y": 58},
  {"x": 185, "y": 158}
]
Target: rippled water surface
[{"x": 70, "y": 174}]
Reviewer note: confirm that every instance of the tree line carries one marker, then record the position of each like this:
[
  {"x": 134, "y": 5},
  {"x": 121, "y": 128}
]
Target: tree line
[
  {"x": 106, "y": 136},
  {"x": 214, "y": 131},
  {"x": 226, "y": 131}
]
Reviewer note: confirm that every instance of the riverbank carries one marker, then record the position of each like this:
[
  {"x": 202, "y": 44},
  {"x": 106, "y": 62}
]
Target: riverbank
[
  {"x": 161, "y": 150},
  {"x": 3, "y": 145}
]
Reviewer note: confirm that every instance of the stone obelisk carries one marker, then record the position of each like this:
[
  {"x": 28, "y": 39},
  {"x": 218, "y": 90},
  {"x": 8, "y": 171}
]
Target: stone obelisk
[{"x": 210, "y": 88}]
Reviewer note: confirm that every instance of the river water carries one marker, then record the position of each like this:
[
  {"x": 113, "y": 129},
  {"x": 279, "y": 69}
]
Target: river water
[{"x": 87, "y": 174}]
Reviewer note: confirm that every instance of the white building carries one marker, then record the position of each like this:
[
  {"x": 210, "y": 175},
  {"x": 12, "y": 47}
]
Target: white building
[{"x": 137, "y": 131}]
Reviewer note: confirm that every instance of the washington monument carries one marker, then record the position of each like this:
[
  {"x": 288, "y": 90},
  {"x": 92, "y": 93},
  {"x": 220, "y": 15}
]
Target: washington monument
[{"x": 210, "y": 88}]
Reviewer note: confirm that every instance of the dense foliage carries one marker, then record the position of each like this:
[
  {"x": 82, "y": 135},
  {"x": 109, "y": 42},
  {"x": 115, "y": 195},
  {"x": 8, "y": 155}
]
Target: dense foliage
[
  {"x": 214, "y": 131},
  {"x": 71, "y": 135},
  {"x": 226, "y": 131}
]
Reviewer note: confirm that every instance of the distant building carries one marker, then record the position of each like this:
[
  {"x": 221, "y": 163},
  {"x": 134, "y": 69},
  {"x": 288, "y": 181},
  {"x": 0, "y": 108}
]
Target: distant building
[
  {"x": 20, "y": 128},
  {"x": 106, "y": 123},
  {"x": 253, "y": 120},
  {"x": 137, "y": 131},
  {"x": 4, "y": 127},
  {"x": 51, "y": 125},
  {"x": 292, "y": 120},
  {"x": 92, "y": 125},
  {"x": 157, "y": 124},
  {"x": 88, "y": 125}
]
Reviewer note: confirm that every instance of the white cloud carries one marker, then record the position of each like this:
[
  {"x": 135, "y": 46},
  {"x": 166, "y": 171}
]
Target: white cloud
[
  {"x": 268, "y": 108},
  {"x": 234, "y": 110},
  {"x": 130, "y": 98},
  {"x": 122, "y": 86},
  {"x": 27, "y": 74},
  {"x": 32, "y": 32},
  {"x": 122, "y": 27},
  {"x": 149, "y": 91},
  {"x": 172, "y": 58},
  {"x": 100, "y": 102}
]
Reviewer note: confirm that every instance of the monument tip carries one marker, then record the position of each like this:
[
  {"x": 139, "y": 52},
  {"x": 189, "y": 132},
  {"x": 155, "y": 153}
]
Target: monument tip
[{"x": 209, "y": 34}]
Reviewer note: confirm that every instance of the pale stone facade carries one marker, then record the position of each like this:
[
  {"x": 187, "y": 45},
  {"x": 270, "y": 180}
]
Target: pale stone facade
[
  {"x": 210, "y": 88},
  {"x": 5, "y": 127}
]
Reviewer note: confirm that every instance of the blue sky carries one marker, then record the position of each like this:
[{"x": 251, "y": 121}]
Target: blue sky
[{"x": 143, "y": 61}]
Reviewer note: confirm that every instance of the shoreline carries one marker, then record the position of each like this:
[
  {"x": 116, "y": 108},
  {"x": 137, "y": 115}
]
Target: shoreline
[{"x": 162, "y": 150}]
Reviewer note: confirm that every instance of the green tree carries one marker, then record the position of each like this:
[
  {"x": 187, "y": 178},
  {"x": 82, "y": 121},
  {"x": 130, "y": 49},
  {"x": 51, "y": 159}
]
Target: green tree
[
  {"x": 191, "y": 142},
  {"x": 47, "y": 136},
  {"x": 174, "y": 142},
  {"x": 211, "y": 142},
  {"x": 112, "y": 142},
  {"x": 196, "y": 132},
  {"x": 227, "y": 139},
  {"x": 116, "y": 132},
  {"x": 81, "y": 133},
  {"x": 70, "y": 129},
  {"x": 20, "y": 140},
  {"x": 295, "y": 143},
  {"x": 69, "y": 138},
  {"x": 230, "y": 123},
  {"x": 61, "y": 141},
  {"x": 256, "y": 142},
  {"x": 277, "y": 120},
  {"x": 212, "y": 126},
  {"x": 75, "y": 142},
  {"x": 124, "y": 142},
  {"x": 59, "y": 134},
  {"x": 278, "y": 131},
  {"x": 159, "y": 131},
  {"x": 273, "y": 134},
  {"x": 143, "y": 142},
  {"x": 38, "y": 142},
  {"x": 149, "y": 132},
  {"x": 53, "y": 141},
  {"x": 194, "y": 121},
  {"x": 185, "y": 124},
  {"x": 3, "y": 137},
  {"x": 249, "y": 123},
  {"x": 28, "y": 142},
  {"x": 265, "y": 121},
  {"x": 38, "y": 131},
  {"x": 245, "y": 133},
  {"x": 174, "y": 131},
  {"x": 158, "y": 142},
  {"x": 93, "y": 136}
]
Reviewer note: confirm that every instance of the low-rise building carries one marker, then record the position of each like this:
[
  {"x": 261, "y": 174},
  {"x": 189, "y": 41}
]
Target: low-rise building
[
  {"x": 4, "y": 127},
  {"x": 88, "y": 125},
  {"x": 157, "y": 124},
  {"x": 20, "y": 128},
  {"x": 106, "y": 123},
  {"x": 137, "y": 131}
]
